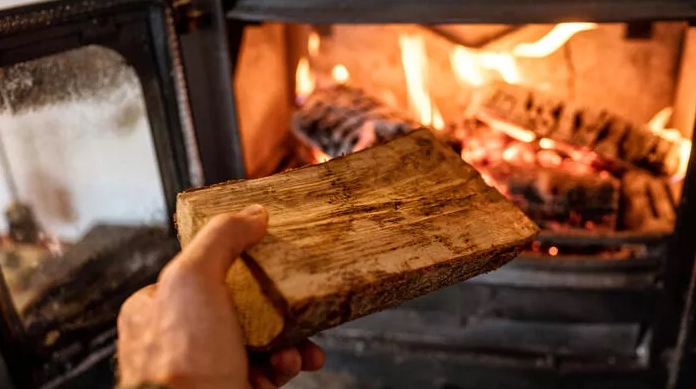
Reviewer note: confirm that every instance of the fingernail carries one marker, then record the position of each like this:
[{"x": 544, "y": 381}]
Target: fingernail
[{"x": 253, "y": 210}]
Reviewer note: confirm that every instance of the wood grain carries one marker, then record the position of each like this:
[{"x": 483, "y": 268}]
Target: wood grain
[{"x": 359, "y": 234}]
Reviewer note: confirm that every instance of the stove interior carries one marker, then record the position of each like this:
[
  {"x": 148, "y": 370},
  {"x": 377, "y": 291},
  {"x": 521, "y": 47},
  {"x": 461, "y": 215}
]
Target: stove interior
[{"x": 585, "y": 126}]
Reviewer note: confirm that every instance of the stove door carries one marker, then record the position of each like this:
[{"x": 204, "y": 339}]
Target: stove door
[{"x": 96, "y": 140}]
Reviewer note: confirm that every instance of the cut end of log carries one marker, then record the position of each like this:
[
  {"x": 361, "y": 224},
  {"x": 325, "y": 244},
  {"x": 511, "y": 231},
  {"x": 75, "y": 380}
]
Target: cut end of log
[
  {"x": 261, "y": 321},
  {"x": 359, "y": 234}
]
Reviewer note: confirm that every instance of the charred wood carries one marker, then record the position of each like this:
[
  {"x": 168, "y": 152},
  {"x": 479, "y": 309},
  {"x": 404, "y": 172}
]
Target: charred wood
[
  {"x": 341, "y": 119},
  {"x": 648, "y": 204},
  {"x": 555, "y": 198},
  {"x": 607, "y": 134}
]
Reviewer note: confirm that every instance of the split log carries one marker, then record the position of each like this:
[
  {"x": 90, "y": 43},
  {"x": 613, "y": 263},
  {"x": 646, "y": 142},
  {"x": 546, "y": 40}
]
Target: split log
[
  {"x": 339, "y": 118},
  {"x": 648, "y": 204},
  {"x": 555, "y": 196},
  {"x": 607, "y": 134},
  {"x": 359, "y": 234}
]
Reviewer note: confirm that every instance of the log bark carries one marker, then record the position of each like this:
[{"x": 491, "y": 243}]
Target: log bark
[
  {"x": 359, "y": 234},
  {"x": 608, "y": 135}
]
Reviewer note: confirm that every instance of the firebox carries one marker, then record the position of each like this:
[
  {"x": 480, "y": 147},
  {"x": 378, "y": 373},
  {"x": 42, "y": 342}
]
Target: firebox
[{"x": 580, "y": 112}]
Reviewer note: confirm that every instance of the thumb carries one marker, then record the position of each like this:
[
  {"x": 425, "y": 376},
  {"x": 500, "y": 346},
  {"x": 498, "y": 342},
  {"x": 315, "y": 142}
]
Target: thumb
[{"x": 223, "y": 239}]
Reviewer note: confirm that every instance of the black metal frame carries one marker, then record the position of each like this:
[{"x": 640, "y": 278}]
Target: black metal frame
[
  {"x": 656, "y": 293},
  {"x": 209, "y": 50},
  {"x": 138, "y": 30},
  {"x": 461, "y": 11}
]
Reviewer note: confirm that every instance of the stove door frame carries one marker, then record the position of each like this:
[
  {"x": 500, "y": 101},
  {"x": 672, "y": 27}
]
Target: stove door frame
[
  {"x": 674, "y": 307},
  {"x": 142, "y": 31}
]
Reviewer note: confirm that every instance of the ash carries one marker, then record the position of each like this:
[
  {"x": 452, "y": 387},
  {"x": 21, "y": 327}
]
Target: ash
[{"x": 91, "y": 72}]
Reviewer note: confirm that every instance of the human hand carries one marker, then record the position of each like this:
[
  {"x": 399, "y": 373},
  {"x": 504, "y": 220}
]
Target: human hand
[{"x": 183, "y": 331}]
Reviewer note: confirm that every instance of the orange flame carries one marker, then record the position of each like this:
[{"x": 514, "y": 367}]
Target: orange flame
[
  {"x": 304, "y": 80},
  {"x": 503, "y": 63},
  {"x": 415, "y": 63},
  {"x": 340, "y": 74},
  {"x": 658, "y": 126},
  {"x": 466, "y": 66},
  {"x": 313, "y": 43},
  {"x": 319, "y": 156},
  {"x": 552, "y": 41},
  {"x": 470, "y": 66},
  {"x": 438, "y": 121},
  {"x": 511, "y": 130}
]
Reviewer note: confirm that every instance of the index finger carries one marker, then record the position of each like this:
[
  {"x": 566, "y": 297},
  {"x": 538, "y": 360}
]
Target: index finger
[{"x": 221, "y": 241}]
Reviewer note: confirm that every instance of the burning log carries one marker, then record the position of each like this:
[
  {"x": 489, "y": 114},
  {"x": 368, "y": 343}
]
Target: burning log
[
  {"x": 341, "y": 119},
  {"x": 554, "y": 197},
  {"x": 608, "y": 135},
  {"x": 359, "y": 234},
  {"x": 648, "y": 203}
]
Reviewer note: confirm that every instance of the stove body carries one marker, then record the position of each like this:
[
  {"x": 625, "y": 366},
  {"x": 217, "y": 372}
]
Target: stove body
[{"x": 221, "y": 82}]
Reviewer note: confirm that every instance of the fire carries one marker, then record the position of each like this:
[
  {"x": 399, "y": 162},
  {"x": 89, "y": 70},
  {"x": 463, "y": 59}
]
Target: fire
[
  {"x": 319, "y": 156},
  {"x": 465, "y": 66},
  {"x": 552, "y": 41},
  {"x": 313, "y": 43},
  {"x": 340, "y": 74},
  {"x": 304, "y": 80},
  {"x": 471, "y": 66},
  {"x": 504, "y": 63},
  {"x": 438, "y": 121},
  {"x": 415, "y": 63},
  {"x": 511, "y": 130},
  {"x": 658, "y": 125}
]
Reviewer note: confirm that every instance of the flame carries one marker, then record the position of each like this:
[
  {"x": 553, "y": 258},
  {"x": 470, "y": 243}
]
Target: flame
[
  {"x": 340, "y": 74},
  {"x": 304, "y": 80},
  {"x": 470, "y": 66},
  {"x": 413, "y": 59},
  {"x": 552, "y": 41},
  {"x": 313, "y": 43},
  {"x": 546, "y": 143},
  {"x": 415, "y": 63},
  {"x": 503, "y": 63},
  {"x": 658, "y": 125},
  {"x": 511, "y": 130},
  {"x": 465, "y": 66},
  {"x": 319, "y": 156},
  {"x": 438, "y": 121}
]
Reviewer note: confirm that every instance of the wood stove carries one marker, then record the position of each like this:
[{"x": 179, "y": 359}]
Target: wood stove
[{"x": 581, "y": 112}]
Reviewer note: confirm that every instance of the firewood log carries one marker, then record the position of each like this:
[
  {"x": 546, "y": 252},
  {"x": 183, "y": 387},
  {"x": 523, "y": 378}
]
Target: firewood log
[
  {"x": 607, "y": 134},
  {"x": 555, "y": 196},
  {"x": 358, "y": 234},
  {"x": 648, "y": 204},
  {"x": 337, "y": 118}
]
